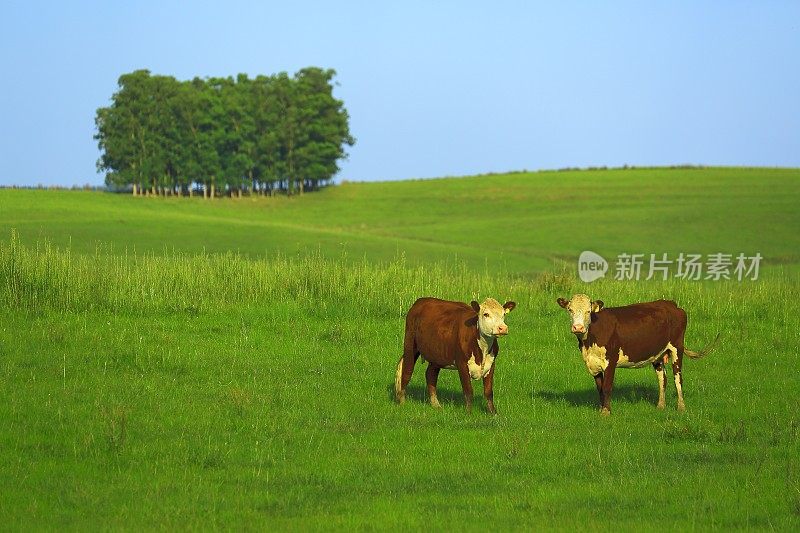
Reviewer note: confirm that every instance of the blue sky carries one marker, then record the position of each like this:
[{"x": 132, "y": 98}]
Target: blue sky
[{"x": 433, "y": 88}]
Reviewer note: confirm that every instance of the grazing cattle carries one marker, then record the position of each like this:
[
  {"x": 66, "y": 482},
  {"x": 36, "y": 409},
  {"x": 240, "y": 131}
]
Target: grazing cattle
[
  {"x": 455, "y": 336},
  {"x": 632, "y": 336}
]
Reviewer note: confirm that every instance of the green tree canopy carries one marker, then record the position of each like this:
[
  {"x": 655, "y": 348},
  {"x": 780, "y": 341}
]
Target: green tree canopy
[{"x": 223, "y": 135}]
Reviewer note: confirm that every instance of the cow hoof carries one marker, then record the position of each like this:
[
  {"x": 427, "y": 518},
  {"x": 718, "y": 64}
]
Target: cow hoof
[
  {"x": 605, "y": 411},
  {"x": 435, "y": 403},
  {"x": 681, "y": 407},
  {"x": 661, "y": 405},
  {"x": 400, "y": 398}
]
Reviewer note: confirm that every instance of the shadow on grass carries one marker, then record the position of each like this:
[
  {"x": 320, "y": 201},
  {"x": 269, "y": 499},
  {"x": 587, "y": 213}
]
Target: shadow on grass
[
  {"x": 419, "y": 393},
  {"x": 588, "y": 397}
]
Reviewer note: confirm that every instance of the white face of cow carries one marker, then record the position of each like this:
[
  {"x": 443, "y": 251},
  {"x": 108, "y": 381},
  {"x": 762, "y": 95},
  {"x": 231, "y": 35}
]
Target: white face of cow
[
  {"x": 492, "y": 317},
  {"x": 580, "y": 309}
]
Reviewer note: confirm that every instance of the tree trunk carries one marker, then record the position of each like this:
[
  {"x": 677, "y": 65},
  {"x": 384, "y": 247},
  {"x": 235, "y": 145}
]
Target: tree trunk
[
  {"x": 135, "y": 190},
  {"x": 213, "y": 190}
]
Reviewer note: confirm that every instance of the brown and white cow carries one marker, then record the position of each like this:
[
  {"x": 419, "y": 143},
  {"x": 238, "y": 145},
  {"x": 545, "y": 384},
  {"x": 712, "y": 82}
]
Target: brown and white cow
[
  {"x": 632, "y": 336},
  {"x": 456, "y": 336}
]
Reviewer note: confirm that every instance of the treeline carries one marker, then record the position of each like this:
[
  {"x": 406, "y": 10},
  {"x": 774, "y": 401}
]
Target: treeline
[{"x": 222, "y": 136}]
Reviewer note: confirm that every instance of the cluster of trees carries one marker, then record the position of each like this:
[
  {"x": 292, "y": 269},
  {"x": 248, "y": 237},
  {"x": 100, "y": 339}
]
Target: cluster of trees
[{"x": 218, "y": 136}]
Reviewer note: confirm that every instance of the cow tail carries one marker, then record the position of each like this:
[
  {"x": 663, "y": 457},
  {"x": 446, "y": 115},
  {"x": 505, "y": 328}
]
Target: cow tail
[
  {"x": 705, "y": 351},
  {"x": 398, "y": 377}
]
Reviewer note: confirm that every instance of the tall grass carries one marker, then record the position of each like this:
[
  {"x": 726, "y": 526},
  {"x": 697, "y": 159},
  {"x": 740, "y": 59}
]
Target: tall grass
[{"x": 43, "y": 277}]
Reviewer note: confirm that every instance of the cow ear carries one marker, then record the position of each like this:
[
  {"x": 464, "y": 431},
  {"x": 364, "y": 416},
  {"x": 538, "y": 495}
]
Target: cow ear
[
  {"x": 562, "y": 302},
  {"x": 597, "y": 305},
  {"x": 509, "y": 306},
  {"x": 475, "y": 306}
]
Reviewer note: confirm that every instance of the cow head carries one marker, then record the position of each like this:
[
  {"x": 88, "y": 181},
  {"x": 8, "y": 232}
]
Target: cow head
[
  {"x": 581, "y": 309},
  {"x": 492, "y": 316}
]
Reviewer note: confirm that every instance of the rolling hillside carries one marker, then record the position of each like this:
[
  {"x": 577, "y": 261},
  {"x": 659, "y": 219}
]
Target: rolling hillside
[{"x": 522, "y": 223}]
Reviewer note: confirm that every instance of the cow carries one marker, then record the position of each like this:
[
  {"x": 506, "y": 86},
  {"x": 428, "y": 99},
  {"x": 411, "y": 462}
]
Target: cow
[
  {"x": 455, "y": 336},
  {"x": 632, "y": 336}
]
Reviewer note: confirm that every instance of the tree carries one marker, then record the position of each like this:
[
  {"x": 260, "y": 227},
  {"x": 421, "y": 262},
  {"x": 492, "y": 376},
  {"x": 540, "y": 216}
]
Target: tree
[
  {"x": 273, "y": 132},
  {"x": 323, "y": 127},
  {"x": 236, "y": 135},
  {"x": 137, "y": 133},
  {"x": 264, "y": 108},
  {"x": 164, "y": 138},
  {"x": 122, "y": 132}
]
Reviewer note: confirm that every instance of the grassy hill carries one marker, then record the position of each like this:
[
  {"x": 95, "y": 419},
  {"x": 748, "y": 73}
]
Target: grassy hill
[
  {"x": 520, "y": 222},
  {"x": 180, "y": 390}
]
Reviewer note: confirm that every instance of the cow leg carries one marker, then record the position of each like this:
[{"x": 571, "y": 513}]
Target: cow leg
[
  {"x": 662, "y": 382},
  {"x": 399, "y": 390},
  {"x": 598, "y": 380},
  {"x": 488, "y": 391},
  {"x": 676, "y": 372},
  {"x": 608, "y": 385},
  {"x": 405, "y": 367},
  {"x": 431, "y": 375},
  {"x": 466, "y": 384}
]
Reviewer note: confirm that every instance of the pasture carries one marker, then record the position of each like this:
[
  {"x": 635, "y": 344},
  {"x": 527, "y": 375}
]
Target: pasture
[
  {"x": 153, "y": 378},
  {"x": 524, "y": 223}
]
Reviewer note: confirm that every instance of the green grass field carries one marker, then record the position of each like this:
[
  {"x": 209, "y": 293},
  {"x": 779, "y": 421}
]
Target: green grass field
[
  {"x": 523, "y": 223},
  {"x": 179, "y": 387}
]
